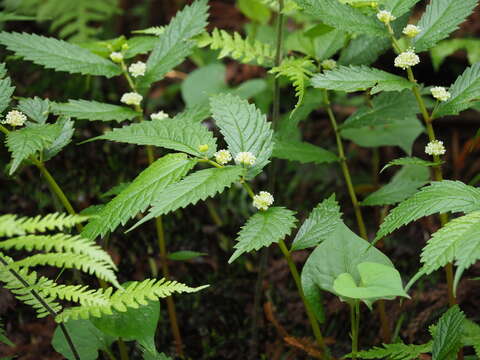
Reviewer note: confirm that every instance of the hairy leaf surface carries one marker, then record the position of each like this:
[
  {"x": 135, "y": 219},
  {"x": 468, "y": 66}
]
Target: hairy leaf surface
[{"x": 94, "y": 111}]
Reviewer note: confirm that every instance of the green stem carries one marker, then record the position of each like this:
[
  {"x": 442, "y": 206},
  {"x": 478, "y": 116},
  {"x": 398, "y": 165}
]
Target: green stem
[
  {"x": 346, "y": 172},
  {"x": 122, "y": 348},
  {"x": 355, "y": 326},
  {"x": 311, "y": 316}
]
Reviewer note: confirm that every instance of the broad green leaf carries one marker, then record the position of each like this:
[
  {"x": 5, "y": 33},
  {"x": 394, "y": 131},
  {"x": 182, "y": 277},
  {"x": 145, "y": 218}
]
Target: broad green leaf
[
  {"x": 63, "y": 138},
  {"x": 6, "y": 89},
  {"x": 328, "y": 44},
  {"x": 340, "y": 253},
  {"x": 397, "y": 351},
  {"x": 255, "y": 10},
  {"x": 403, "y": 185},
  {"x": 202, "y": 83},
  {"x": 140, "y": 45},
  {"x": 409, "y": 161},
  {"x": 86, "y": 337},
  {"x": 36, "y": 109},
  {"x": 197, "y": 186},
  {"x": 244, "y": 128},
  {"x": 364, "y": 50},
  {"x": 465, "y": 92},
  {"x": 447, "y": 336},
  {"x": 447, "y": 47},
  {"x": 184, "y": 255},
  {"x": 359, "y": 78},
  {"x": 343, "y": 17},
  {"x": 263, "y": 229},
  {"x": 302, "y": 151},
  {"x": 377, "y": 281},
  {"x": 58, "y": 55},
  {"x": 399, "y": 7},
  {"x": 438, "y": 197},
  {"x": 94, "y": 111},
  {"x": 323, "y": 220},
  {"x": 176, "y": 134},
  {"x": 27, "y": 141},
  {"x": 174, "y": 45},
  {"x": 139, "y": 194},
  {"x": 441, "y": 18}
]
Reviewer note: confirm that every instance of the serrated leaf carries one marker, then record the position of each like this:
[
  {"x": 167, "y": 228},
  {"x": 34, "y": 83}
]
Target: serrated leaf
[
  {"x": 27, "y": 141},
  {"x": 244, "y": 128},
  {"x": 63, "y": 138},
  {"x": 176, "y": 134},
  {"x": 409, "y": 161},
  {"x": 302, "y": 152},
  {"x": 174, "y": 45},
  {"x": 398, "y": 351},
  {"x": 438, "y": 197},
  {"x": 363, "y": 50},
  {"x": 185, "y": 255},
  {"x": 403, "y": 185},
  {"x": 464, "y": 93},
  {"x": 399, "y": 7},
  {"x": 58, "y": 55},
  {"x": 321, "y": 223},
  {"x": 344, "y": 17},
  {"x": 263, "y": 229},
  {"x": 140, "y": 45},
  {"x": 197, "y": 186},
  {"x": 359, "y": 78},
  {"x": 448, "y": 47},
  {"x": 94, "y": 111},
  {"x": 139, "y": 194},
  {"x": 6, "y": 92},
  {"x": 448, "y": 332},
  {"x": 36, "y": 109},
  {"x": 441, "y": 18}
]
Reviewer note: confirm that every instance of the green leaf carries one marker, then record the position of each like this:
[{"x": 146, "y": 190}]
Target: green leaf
[
  {"x": 173, "y": 46},
  {"x": 441, "y": 18},
  {"x": 465, "y": 92},
  {"x": 3, "y": 336},
  {"x": 448, "y": 332},
  {"x": 263, "y": 229},
  {"x": 364, "y": 50},
  {"x": 377, "y": 281},
  {"x": 140, "y": 45},
  {"x": 404, "y": 184},
  {"x": 302, "y": 151},
  {"x": 176, "y": 134},
  {"x": 64, "y": 137},
  {"x": 202, "y": 83},
  {"x": 185, "y": 255},
  {"x": 94, "y": 111},
  {"x": 86, "y": 337},
  {"x": 321, "y": 223},
  {"x": 255, "y": 10},
  {"x": 344, "y": 17},
  {"x": 329, "y": 44},
  {"x": 36, "y": 109},
  {"x": 6, "y": 89},
  {"x": 58, "y": 55},
  {"x": 438, "y": 197},
  {"x": 27, "y": 141},
  {"x": 450, "y": 46},
  {"x": 197, "y": 186},
  {"x": 359, "y": 78},
  {"x": 398, "y": 351},
  {"x": 409, "y": 161},
  {"x": 399, "y": 7},
  {"x": 139, "y": 194},
  {"x": 244, "y": 128}
]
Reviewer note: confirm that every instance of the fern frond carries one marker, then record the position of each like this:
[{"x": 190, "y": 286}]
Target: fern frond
[
  {"x": 11, "y": 225},
  {"x": 244, "y": 50},
  {"x": 398, "y": 351},
  {"x": 298, "y": 71},
  {"x": 134, "y": 295},
  {"x": 81, "y": 294},
  {"x": 3, "y": 335}
]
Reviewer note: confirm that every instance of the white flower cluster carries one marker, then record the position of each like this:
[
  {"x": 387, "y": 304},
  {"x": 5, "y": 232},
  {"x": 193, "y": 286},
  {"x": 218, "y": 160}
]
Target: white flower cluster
[
  {"x": 435, "y": 147},
  {"x": 411, "y": 30},
  {"x": 329, "y": 64},
  {"x": 440, "y": 93},
  {"x": 137, "y": 69},
  {"x": 246, "y": 158},
  {"x": 116, "y": 57},
  {"x": 161, "y": 115},
  {"x": 407, "y": 59},
  {"x": 385, "y": 16},
  {"x": 15, "y": 118},
  {"x": 131, "y": 98},
  {"x": 223, "y": 157},
  {"x": 263, "y": 200}
]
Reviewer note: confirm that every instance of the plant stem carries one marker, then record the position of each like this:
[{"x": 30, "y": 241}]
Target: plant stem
[
  {"x": 311, "y": 316},
  {"x": 346, "y": 172},
  {"x": 122, "y": 348},
  {"x": 47, "y": 307},
  {"x": 355, "y": 326}
]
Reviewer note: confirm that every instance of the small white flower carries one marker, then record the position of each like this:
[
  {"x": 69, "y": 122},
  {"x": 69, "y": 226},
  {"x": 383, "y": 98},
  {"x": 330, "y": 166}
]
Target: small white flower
[
  {"x": 435, "y": 147},
  {"x": 385, "y": 16},
  {"x": 246, "y": 158},
  {"x": 411, "y": 30},
  {"x": 161, "y": 115},
  {"x": 131, "y": 98},
  {"x": 223, "y": 157},
  {"x": 263, "y": 200},
  {"x": 440, "y": 93},
  {"x": 137, "y": 69},
  {"x": 116, "y": 57},
  {"x": 407, "y": 59},
  {"x": 15, "y": 118},
  {"x": 329, "y": 64}
]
